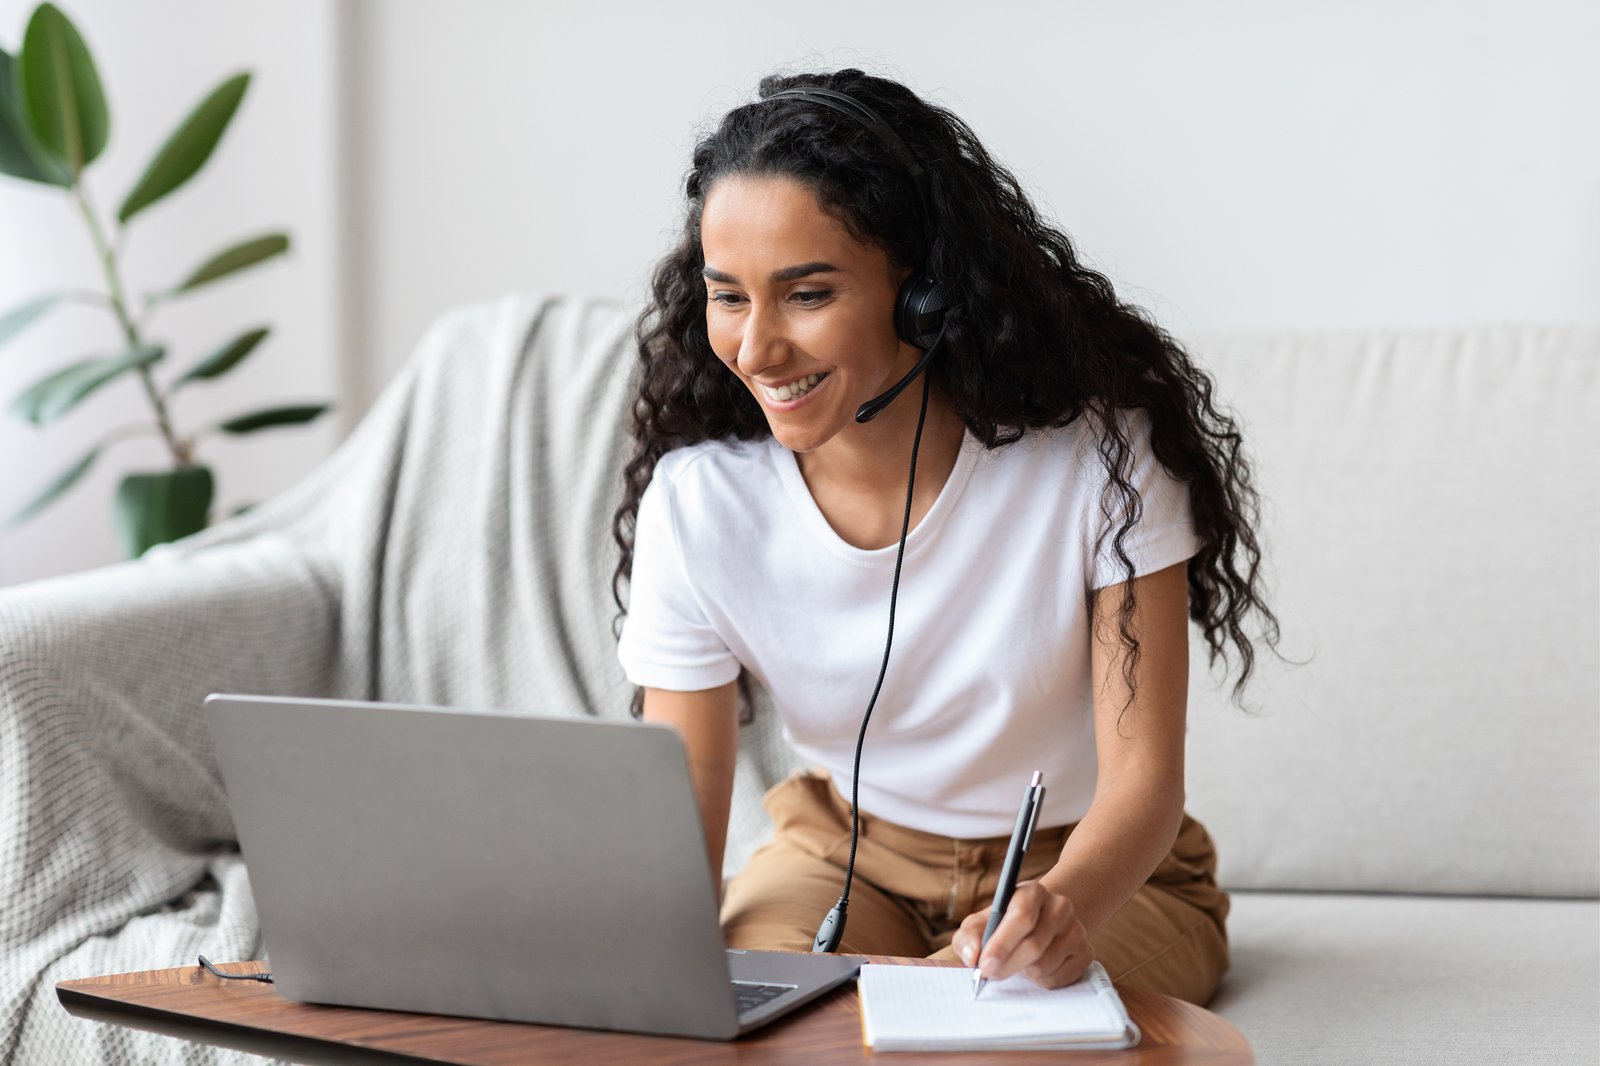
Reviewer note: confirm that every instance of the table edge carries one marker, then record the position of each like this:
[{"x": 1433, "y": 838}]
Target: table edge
[
  {"x": 82, "y": 1003},
  {"x": 237, "y": 1036}
]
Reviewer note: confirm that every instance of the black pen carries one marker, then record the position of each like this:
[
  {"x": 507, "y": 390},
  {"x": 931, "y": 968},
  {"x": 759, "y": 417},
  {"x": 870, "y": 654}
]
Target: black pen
[{"x": 1021, "y": 837}]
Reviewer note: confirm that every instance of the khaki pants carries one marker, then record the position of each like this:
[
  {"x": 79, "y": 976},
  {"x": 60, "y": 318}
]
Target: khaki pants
[{"x": 912, "y": 889}]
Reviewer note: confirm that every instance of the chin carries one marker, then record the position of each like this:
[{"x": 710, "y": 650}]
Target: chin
[
  {"x": 798, "y": 438},
  {"x": 795, "y": 442}
]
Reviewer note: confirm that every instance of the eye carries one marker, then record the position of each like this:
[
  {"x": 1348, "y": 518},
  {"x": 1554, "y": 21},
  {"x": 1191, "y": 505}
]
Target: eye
[
  {"x": 811, "y": 297},
  {"x": 717, "y": 298}
]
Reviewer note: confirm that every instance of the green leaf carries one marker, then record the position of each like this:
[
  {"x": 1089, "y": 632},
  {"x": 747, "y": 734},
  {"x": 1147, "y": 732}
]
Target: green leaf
[
  {"x": 187, "y": 150},
  {"x": 21, "y": 155},
  {"x": 48, "y": 399},
  {"x": 20, "y": 318},
  {"x": 157, "y": 508},
  {"x": 223, "y": 359},
  {"x": 61, "y": 484},
  {"x": 61, "y": 94},
  {"x": 273, "y": 416},
  {"x": 244, "y": 254}
]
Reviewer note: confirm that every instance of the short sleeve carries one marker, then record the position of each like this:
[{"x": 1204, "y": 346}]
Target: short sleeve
[
  {"x": 1164, "y": 533},
  {"x": 666, "y": 641}
]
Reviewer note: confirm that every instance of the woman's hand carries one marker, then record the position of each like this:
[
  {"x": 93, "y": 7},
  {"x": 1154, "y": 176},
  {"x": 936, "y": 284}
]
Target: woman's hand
[{"x": 1040, "y": 936}]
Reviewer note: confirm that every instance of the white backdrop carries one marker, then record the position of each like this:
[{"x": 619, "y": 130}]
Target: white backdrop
[
  {"x": 275, "y": 169},
  {"x": 1242, "y": 163},
  {"x": 1235, "y": 163}
]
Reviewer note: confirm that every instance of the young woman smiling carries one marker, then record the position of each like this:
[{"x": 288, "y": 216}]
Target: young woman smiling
[{"x": 1077, "y": 501}]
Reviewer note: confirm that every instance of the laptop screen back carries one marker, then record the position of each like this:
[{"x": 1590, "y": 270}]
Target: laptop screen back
[{"x": 544, "y": 869}]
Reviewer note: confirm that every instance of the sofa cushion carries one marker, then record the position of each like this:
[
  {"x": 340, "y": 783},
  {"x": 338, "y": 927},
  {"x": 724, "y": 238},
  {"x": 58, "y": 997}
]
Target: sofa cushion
[
  {"x": 1414, "y": 980},
  {"x": 1433, "y": 525}
]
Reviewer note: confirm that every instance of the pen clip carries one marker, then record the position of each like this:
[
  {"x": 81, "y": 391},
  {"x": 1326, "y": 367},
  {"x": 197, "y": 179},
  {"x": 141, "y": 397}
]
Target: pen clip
[{"x": 1033, "y": 817}]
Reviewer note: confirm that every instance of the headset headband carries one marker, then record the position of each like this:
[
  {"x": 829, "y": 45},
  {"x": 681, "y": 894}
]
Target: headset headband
[
  {"x": 849, "y": 105},
  {"x": 921, "y": 304}
]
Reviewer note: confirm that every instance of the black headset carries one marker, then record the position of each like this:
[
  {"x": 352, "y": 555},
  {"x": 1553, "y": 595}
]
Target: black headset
[
  {"x": 919, "y": 320},
  {"x": 921, "y": 305}
]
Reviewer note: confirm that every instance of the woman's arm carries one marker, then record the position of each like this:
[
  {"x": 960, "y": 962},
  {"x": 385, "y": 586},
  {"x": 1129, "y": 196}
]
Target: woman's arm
[
  {"x": 1138, "y": 800},
  {"x": 709, "y": 722}
]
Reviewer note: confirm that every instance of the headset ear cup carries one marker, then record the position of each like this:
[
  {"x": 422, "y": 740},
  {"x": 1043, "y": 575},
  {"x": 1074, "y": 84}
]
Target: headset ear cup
[{"x": 919, "y": 311}]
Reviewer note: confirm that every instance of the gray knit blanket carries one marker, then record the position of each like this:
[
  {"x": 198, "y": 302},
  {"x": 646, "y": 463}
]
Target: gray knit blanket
[{"x": 455, "y": 550}]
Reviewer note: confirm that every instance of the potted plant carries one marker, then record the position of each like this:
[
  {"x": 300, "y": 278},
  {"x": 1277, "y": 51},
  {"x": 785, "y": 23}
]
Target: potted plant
[{"x": 54, "y": 123}]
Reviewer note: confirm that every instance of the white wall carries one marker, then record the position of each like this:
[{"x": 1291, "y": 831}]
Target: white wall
[
  {"x": 275, "y": 168},
  {"x": 1241, "y": 163}
]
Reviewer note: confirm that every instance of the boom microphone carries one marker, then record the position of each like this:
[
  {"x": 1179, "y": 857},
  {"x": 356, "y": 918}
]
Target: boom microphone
[{"x": 874, "y": 407}]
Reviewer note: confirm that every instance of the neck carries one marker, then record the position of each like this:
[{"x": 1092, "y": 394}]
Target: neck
[{"x": 871, "y": 460}]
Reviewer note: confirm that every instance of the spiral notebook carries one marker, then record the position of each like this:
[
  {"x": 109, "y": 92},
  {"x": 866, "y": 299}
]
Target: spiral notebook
[{"x": 930, "y": 1008}]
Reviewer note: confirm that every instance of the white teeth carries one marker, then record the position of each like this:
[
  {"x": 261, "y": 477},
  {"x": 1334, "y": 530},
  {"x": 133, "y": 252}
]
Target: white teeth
[{"x": 794, "y": 388}]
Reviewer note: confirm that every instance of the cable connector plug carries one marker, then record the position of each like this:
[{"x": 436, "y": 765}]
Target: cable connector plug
[{"x": 831, "y": 931}]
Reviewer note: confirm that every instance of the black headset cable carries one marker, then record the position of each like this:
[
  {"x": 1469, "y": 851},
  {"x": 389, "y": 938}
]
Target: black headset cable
[{"x": 831, "y": 931}]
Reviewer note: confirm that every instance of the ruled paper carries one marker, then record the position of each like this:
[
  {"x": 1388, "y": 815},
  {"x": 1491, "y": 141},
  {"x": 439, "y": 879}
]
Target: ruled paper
[{"x": 931, "y": 1007}]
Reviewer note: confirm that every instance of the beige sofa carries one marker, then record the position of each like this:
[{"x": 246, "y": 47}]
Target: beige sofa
[
  {"x": 1411, "y": 827},
  {"x": 1408, "y": 824}
]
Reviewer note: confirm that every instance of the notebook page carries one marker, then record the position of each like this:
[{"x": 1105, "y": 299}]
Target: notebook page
[{"x": 933, "y": 1005}]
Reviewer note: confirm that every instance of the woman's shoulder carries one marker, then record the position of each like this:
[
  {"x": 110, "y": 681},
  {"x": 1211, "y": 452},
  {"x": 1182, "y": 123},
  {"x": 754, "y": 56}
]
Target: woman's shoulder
[
  {"x": 1070, "y": 456},
  {"x": 1078, "y": 442},
  {"x": 714, "y": 463},
  {"x": 1047, "y": 446},
  {"x": 712, "y": 488}
]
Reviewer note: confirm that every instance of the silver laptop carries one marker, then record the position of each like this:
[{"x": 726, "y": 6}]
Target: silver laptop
[{"x": 531, "y": 869}]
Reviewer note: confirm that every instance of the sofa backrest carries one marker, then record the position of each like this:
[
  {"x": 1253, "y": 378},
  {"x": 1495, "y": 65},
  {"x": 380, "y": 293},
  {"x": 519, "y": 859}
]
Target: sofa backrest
[
  {"x": 1433, "y": 521},
  {"x": 1433, "y": 525}
]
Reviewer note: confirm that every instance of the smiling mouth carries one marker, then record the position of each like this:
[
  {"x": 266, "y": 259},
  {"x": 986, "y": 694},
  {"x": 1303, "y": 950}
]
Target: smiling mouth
[{"x": 794, "y": 390}]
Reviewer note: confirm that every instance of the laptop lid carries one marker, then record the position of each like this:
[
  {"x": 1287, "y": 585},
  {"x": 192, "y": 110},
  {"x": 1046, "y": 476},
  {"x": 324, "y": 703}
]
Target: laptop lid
[{"x": 541, "y": 869}]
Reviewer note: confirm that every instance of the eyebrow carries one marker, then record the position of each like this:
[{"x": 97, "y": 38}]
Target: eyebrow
[{"x": 790, "y": 273}]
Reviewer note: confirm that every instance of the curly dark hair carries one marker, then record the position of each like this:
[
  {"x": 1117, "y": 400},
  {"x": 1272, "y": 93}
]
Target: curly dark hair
[{"x": 1034, "y": 339}]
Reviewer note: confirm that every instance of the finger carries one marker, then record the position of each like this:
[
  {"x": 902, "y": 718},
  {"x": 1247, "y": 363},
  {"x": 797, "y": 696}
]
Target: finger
[
  {"x": 1070, "y": 970},
  {"x": 1058, "y": 934},
  {"x": 1060, "y": 950},
  {"x": 1042, "y": 951},
  {"x": 970, "y": 935},
  {"x": 1001, "y": 956},
  {"x": 1068, "y": 955}
]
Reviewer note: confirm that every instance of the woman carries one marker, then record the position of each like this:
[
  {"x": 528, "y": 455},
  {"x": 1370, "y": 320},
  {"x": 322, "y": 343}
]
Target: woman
[{"x": 1062, "y": 501}]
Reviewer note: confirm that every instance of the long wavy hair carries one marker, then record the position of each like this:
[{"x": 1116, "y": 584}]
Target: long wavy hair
[{"x": 1034, "y": 339}]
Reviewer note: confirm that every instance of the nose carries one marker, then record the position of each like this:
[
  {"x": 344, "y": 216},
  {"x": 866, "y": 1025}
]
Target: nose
[{"x": 763, "y": 343}]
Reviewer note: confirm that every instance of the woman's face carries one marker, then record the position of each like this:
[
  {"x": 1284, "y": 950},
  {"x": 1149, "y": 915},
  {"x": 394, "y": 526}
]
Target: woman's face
[{"x": 799, "y": 309}]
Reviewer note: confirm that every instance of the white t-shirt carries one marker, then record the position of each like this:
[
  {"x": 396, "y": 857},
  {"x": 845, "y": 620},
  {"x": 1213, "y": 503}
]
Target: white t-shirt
[{"x": 989, "y": 676}]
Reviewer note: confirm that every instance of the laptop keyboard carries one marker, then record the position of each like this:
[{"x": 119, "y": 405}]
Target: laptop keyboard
[{"x": 751, "y": 995}]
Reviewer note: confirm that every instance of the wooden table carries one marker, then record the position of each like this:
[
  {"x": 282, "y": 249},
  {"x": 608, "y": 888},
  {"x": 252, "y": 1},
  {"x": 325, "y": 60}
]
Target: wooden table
[{"x": 190, "y": 1003}]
